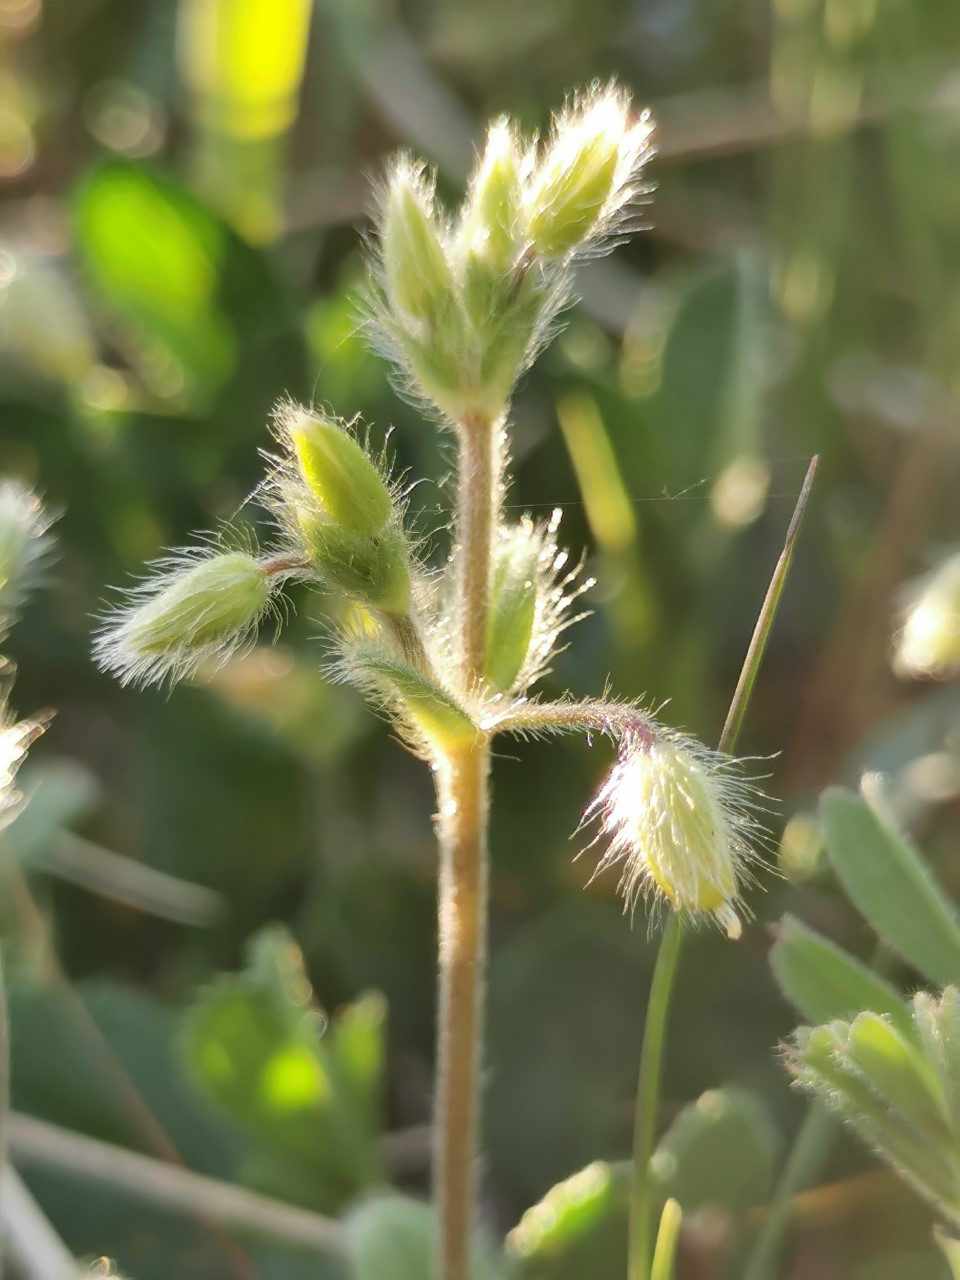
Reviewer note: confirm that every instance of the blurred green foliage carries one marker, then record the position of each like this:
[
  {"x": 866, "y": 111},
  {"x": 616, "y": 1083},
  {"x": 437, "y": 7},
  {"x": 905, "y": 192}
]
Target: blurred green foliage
[{"x": 179, "y": 246}]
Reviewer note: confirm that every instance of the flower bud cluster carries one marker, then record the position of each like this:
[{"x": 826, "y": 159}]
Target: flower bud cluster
[
  {"x": 341, "y": 525},
  {"x": 464, "y": 302},
  {"x": 929, "y": 641},
  {"x": 900, "y": 1093}
]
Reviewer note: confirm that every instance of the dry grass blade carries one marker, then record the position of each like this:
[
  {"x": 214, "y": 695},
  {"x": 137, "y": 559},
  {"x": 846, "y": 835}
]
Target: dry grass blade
[{"x": 35, "y": 1142}]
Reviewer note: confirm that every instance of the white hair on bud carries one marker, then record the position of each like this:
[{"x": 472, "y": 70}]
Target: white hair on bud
[
  {"x": 24, "y": 545},
  {"x": 681, "y": 821},
  {"x": 600, "y": 114},
  {"x": 16, "y": 737},
  {"x": 559, "y": 586},
  {"x": 200, "y": 605}
]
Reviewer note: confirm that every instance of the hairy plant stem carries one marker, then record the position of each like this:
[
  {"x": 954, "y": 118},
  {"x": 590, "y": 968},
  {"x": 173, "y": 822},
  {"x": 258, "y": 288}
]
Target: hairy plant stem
[
  {"x": 462, "y": 778},
  {"x": 462, "y": 786},
  {"x": 478, "y": 503}
]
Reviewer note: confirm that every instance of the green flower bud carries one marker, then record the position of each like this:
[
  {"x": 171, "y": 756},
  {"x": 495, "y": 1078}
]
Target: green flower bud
[
  {"x": 938, "y": 1023},
  {"x": 418, "y": 277},
  {"x": 678, "y": 817},
  {"x": 440, "y": 363},
  {"x": 334, "y": 467},
  {"x": 490, "y": 231},
  {"x": 897, "y": 1069},
  {"x": 586, "y": 175},
  {"x": 371, "y": 570},
  {"x": 430, "y": 713},
  {"x": 512, "y": 610},
  {"x": 195, "y": 610}
]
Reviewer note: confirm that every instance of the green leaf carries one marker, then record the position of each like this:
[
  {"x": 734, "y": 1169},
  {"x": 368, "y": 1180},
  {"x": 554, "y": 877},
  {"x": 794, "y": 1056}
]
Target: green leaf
[
  {"x": 253, "y": 1044},
  {"x": 190, "y": 298},
  {"x": 823, "y": 982},
  {"x": 392, "y": 1237},
  {"x": 357, "y": 1041},
  {"x": 888, "y": 882},
  {"x": 579, "y": 1228},
  {"x": 721, "y": 1149},
  {"x": 156, "y": 256},
  {"x": 61, "y": 1074}
]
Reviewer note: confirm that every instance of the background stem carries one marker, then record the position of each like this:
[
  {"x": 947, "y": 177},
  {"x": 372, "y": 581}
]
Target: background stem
[
  {"x": 463, "y": 796},
  {"x": 668, "y": 955},
  {"x": 648, "y": 1096}
]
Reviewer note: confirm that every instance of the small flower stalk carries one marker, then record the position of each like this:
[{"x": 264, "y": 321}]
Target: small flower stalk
[
  {"x": 928, "y": 645},
  {"x": 678, "y": 819},
  {"x": 900, "y": 1094}
]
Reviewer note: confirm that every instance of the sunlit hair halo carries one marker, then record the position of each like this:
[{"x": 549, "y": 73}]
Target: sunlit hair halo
[{"x": 680, "y": 820}]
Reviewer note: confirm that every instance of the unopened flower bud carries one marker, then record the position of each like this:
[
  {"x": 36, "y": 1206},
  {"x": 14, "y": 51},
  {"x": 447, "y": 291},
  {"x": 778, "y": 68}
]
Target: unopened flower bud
[
  {"x": 197, "y": 609},
  {"x": 418, "y": 277},
  {"x": 374, "y": 571},
  {"x": 512, "y": 609},
  {"x": 678, "y": 820},
  {"x": 587, "y": 174},
  {"x": 333, "y": 466},
  {"x": 929, "y": 643},
  {"x": 490, "y": 230},
  {"x": 532, "y": 591}
]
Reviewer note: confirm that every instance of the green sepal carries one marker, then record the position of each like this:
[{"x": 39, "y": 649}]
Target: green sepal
[
  {"x": 512, "y": 611},
  {"x": 374, "y": 571},
  {"x": 418, "y": 277},
  {"x": 429, "y": 710},
  {"x": 210, "y": 601},
  {"x": 823, "y": 981}
]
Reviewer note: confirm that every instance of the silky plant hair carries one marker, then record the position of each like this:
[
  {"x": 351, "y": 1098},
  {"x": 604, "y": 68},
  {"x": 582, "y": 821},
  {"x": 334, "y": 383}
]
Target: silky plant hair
[
  {"x": 460, "y": 301},
  {"x": 25, "y": 547}
]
